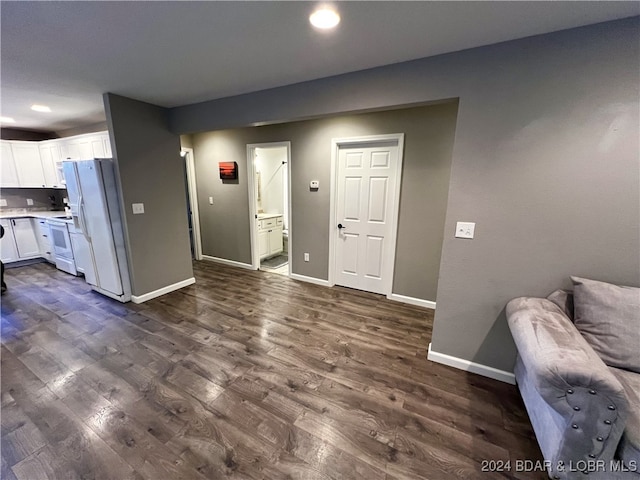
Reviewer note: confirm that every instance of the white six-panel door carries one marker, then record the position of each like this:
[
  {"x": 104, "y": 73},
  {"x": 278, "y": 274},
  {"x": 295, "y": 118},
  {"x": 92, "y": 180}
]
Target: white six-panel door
[{"x": 366, "y": 196}]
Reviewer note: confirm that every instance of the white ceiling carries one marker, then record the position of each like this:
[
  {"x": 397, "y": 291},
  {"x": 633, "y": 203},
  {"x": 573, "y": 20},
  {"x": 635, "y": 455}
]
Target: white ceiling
[{"x": 66, "y": 54}]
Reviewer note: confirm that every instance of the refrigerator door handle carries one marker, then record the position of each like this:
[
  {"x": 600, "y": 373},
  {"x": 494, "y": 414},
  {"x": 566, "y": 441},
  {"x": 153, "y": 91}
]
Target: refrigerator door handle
[{"x": 82, "y": 220}]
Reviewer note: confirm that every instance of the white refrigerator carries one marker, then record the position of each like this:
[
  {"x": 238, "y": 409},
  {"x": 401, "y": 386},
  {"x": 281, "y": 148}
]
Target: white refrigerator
[{"x": 95, "y": 207}]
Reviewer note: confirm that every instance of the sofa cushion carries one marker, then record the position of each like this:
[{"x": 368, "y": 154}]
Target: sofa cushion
[
  {"x": 608, "y": 317},
  {"x": 629, "y": 448}
]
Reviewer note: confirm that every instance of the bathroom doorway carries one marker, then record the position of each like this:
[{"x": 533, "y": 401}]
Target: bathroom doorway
[{"x": 269, "y": 202}]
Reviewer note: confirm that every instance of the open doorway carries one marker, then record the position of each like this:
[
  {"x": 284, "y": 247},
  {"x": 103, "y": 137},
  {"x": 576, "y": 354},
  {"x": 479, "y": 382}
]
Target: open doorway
[
  {"x": 269, "y": 206},
  {"x": 193, "y": 217}
]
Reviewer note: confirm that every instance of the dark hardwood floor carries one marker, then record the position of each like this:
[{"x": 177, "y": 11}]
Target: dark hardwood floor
[{"x": 244, "y": 375}]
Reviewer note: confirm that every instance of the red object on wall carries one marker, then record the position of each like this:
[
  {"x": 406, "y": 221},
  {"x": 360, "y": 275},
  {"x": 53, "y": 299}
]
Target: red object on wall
[{"x": 228, "y": 170}]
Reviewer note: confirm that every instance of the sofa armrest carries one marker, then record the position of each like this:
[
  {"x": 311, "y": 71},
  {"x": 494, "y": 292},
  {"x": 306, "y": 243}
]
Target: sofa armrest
[{"x": 571, "y": 378}]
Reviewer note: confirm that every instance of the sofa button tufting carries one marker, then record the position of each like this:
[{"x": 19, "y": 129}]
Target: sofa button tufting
[
  {"x": 600, "y": 439},
  {"x": 612, "y": 407},
  {"x": 592, "y": 392},
  {"x": 575, "y": 425},
  {"x": 607, "y": 422},
  {"x": 576, "y": 408},
  {"x": 570, "y": 391}
]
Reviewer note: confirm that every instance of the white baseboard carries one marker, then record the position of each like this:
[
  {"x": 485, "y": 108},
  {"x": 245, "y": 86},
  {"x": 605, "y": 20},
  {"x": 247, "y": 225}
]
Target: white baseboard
[
  {"x": 412, "y": 300},
  {"x": 472, "y": 367},
  {"x": 162, "y": 291},
  {"x": 316, "y": 281},
  {"x": 231, "y": 263}
]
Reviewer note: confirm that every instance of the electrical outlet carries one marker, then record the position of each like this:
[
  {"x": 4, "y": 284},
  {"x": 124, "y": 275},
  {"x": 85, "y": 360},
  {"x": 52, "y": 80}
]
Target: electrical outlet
[
  {"x": 465, "y": 229},
  {"x": 306, "y": 257},
  {"x": 137, "y": 208},
  {"x": 29, "y": 201},
  {"x": 3, "y": 202},
  {"x": 210, "y": 200}
]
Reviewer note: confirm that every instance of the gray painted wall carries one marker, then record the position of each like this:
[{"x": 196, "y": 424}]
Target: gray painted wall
[
  {"x": 28, "y": 135},
  {"x": 546, "y": 161},
  {"x": 151, "y": 171},
  {"x": 429, "y": 132},
  {"x": 96, "y": 127},
  {"x": 185, "y": 141}
]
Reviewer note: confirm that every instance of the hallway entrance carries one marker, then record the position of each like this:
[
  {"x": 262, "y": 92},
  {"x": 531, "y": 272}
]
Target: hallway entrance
[{"x": 268, "y": 165}]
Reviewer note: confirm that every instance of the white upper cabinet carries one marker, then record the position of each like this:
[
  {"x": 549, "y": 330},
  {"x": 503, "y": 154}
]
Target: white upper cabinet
[
  {"x": 85, "y": 147},
  {"x": 97, "y": 147},
  {"x": 51, "y": 164},
  {"x": 107, "y": 144},
  {"x": 26, "y": 156},
  {"x": 39, "y": 164},
  {"x": 69, "y": 150},
  {"x": 8, "y": 174}
]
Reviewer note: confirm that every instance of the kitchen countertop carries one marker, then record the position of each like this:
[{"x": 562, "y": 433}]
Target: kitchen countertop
[{"x": 36, "y": 214}]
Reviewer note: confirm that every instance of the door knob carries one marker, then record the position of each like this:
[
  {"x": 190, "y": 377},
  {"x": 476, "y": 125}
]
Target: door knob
[{"x": 340, "y": 226}]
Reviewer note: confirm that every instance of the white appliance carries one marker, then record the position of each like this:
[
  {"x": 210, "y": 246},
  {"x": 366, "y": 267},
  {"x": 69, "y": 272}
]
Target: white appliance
[
  {"x": 95, "y": 208},
  {"x": 62, "y": 250}
]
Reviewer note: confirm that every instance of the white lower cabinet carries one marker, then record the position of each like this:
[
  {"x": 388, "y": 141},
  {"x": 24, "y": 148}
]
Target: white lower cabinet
[
  {"x": 270, "y": 241},
  {"x": 20, "y": 240},
  {"x": 44, "y": 238},
  {"x": 8, "y": 249},
  {"x": 26, "y": 238},
  {"x": 275, "y": 241},
  {"x": 263, "y": 243}
]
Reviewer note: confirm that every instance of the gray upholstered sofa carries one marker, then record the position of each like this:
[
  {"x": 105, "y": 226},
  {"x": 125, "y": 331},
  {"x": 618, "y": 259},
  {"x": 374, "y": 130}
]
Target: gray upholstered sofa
[{"x": 578, "y": 371}]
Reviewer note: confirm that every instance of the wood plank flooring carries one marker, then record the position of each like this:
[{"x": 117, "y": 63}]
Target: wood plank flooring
[{"x": 244, "y": 375}]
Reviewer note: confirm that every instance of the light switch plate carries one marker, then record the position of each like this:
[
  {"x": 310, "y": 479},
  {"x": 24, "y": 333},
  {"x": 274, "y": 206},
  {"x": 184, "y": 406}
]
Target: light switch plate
[
  {"x": 465, "y": 229},
  {"x": 3, "y": 202},
  {"x": 210, "y": 200},
  {"x": 137, "y": 208}
]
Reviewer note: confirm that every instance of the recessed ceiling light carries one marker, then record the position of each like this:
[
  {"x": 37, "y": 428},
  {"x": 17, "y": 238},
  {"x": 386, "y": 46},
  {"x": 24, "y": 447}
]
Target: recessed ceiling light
[
  {"x": 40, "y": 108},
  {"x": 7, "y": 120},
  {"x": 324, "y": 18}
]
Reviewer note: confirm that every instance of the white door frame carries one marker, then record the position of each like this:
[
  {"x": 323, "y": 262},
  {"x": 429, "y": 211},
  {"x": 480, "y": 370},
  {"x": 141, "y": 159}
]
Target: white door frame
[
  {"x": 255, "y": 251},
  {"x": 390, "y": 251},
  {"x": 190, "y": 164}
]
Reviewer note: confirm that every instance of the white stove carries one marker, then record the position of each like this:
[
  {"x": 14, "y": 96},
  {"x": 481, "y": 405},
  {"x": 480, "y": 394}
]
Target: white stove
[{"x": 61, "y": 241}]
